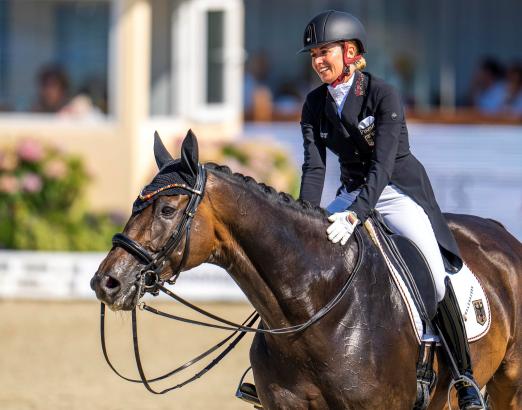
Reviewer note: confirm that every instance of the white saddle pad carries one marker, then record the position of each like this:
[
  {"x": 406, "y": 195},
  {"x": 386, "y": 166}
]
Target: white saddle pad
[{"x": 473, "y": 302}]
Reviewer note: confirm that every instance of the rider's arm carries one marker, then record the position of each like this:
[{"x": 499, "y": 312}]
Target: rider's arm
[
  {"x": 389, "y": 122},
  {"x": 314, "y": 165}
]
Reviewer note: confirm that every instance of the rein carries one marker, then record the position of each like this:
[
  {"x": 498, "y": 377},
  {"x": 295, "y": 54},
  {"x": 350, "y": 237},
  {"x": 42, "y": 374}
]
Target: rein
[
  {"x": 149, "y": 280},
  {"x": 143, "y": 379}
]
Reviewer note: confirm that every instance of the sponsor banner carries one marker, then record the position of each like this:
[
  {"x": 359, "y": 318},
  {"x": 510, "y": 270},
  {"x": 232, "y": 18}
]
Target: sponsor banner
[{"x": 61, "y": 275}]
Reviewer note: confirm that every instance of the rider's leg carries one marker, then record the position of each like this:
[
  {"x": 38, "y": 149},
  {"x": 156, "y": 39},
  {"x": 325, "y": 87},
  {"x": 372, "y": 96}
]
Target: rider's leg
[
  {"x": 449, "y": 321},
  {"x": 407, "y": 218}
]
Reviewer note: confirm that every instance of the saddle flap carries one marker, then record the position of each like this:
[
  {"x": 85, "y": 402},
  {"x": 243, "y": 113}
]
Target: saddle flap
[
  {"x": 420, "y": 272},
  {"x": 411, "y": 266}
]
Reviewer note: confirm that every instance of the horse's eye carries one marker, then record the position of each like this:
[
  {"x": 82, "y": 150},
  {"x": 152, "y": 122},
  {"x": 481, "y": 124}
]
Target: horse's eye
[{"x": 167, "y": 210}]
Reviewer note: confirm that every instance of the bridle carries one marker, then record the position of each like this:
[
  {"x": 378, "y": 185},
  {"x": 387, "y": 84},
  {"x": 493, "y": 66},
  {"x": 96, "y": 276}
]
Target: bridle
[
  {"x": 149, "y": 276},
  {"x": 149, "y": 280}
]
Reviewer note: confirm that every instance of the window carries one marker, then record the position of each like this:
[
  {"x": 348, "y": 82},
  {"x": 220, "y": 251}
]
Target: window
[
  {"x": 197, "y": 59},
  {"x": 162, "y": 67},
  {"x": 3, "y": 53},
  {"x": 215, "y": 57},
  {"x": 54, "y": 57}
]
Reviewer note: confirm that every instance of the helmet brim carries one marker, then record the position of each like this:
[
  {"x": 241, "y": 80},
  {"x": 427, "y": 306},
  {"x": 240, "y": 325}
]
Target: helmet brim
[{"x": 309, "y": 47}]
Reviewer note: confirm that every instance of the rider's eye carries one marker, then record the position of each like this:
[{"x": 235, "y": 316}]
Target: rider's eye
[{"x": 167, "y": 211}]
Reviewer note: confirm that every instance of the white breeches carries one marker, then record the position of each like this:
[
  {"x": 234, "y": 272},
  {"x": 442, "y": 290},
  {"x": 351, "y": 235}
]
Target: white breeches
[{"x": 406, "y": 218}]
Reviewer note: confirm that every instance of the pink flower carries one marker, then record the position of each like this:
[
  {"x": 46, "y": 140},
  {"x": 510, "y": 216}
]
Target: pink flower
[
  {"x": 31, "y": 183},
  {"x": 30, "y": 151},
  {"x": 8, "y": 161},
  {"x": 55, "y": 169},
  {"x": 8, "y": 184}
]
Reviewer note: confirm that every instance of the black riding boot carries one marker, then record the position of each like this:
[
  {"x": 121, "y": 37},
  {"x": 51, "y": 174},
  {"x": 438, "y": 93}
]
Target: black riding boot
[{"x": 451, "y": 325}]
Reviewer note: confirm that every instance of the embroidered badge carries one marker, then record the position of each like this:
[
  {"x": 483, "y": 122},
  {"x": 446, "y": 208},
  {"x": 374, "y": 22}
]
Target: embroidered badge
[
  {"x": 361, "y": 85},
  {"x": 367, "y": 129},
  {"x": 369, "y": 133},
  {"x": 480, "y": 312}
]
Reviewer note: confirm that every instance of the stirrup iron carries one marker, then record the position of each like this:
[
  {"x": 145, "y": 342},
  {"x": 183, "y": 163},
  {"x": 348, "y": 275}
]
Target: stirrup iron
[{"x": 247, "y": 392}]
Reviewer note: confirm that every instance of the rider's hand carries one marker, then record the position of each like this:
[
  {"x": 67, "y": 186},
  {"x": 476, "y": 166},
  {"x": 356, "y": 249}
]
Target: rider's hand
[{"x": 342, "y": 227}]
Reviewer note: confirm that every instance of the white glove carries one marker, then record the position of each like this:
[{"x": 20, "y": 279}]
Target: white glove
[{"x": 342, "y": 227}]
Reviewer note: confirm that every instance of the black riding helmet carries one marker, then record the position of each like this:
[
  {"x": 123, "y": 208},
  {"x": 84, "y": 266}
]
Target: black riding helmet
[{"x": 331, "y": 26}]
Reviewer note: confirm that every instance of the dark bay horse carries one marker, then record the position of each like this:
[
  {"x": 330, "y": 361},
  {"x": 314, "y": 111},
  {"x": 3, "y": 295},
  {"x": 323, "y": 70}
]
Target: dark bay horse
[{"x": 362, "y": 354}]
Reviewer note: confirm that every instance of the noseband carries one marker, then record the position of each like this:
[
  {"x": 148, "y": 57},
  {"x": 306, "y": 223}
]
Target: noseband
[{"x": 149, "y": 277}]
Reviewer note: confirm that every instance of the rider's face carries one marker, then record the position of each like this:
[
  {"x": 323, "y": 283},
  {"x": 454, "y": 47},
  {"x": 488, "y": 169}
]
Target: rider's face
[{"x": 327, "y": 61}]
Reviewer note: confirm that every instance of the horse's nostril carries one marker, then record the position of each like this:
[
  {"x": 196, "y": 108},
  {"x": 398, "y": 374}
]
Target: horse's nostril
[{"x": 110, "y": 284}]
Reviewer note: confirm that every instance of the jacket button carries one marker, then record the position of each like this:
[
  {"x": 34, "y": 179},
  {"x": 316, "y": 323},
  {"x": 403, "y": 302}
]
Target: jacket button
[{"x": 356, "y": 153}]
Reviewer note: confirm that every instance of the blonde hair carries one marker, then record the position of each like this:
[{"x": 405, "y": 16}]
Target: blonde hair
[{"x": 361, "y": 63}]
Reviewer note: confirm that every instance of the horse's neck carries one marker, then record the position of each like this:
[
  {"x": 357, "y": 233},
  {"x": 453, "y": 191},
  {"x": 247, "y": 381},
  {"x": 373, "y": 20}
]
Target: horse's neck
[{"x": 280, "y": 257}]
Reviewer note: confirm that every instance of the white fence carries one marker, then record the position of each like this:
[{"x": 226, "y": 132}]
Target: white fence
[{"x": 59, "y": 275}]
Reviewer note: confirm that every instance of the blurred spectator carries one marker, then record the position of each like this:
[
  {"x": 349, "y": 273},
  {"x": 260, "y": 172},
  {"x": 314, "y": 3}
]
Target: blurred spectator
[
  {"x": 257, "y": 95},
  {"x": 288, "y": 100},
  {"x": 488, "y": 88},
  {"x": 53, "y": 89},
  {"x": 513, "y": 99},
  {"x": 54, "y": 92}
]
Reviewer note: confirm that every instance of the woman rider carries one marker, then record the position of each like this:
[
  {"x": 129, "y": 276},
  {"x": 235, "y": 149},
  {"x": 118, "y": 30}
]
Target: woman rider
[{"x": 360, "y": 118}]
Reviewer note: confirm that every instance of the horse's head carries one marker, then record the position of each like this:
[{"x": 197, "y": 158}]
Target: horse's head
[{"x": 164, "y": 234}]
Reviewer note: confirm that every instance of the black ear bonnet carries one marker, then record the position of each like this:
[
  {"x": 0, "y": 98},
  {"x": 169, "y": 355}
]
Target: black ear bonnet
[{"x": 173, "y": 175}]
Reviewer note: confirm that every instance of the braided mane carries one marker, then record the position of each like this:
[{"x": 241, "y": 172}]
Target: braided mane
[{"x": 280, "y": 197}]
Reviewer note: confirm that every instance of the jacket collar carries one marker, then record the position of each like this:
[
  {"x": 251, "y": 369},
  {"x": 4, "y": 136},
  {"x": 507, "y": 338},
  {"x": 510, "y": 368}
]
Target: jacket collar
[
  {"x": 352, "y": 104},
  {"x": 354, "y": 100}
]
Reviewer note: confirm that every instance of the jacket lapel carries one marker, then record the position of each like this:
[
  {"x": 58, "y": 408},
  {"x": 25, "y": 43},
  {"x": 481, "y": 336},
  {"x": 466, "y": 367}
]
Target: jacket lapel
[
  {"x": 330, "y": 110},
  {"x": 354, "y": 100}
]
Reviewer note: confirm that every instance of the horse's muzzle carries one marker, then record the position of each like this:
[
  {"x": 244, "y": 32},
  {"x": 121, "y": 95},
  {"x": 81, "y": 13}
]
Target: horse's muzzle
[{"x": 110, "y": 290}]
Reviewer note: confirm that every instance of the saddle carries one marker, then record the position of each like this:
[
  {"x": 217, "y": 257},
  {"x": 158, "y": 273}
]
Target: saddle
[{"x": 411, "y": 265}]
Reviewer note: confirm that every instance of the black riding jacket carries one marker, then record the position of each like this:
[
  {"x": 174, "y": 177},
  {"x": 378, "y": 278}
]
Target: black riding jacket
[{"x": 370, "y": 159}]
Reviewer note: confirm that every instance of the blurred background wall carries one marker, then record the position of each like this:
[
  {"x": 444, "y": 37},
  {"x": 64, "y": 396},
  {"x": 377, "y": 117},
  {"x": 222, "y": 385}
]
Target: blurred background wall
[
  {"x": 437, "y": 53},
  {"x": 93, "y": 79},
  {"x": 97, "y": 77}
]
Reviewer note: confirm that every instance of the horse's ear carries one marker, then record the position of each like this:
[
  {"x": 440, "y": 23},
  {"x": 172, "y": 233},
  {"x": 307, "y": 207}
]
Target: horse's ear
[
  {"x": 190, "y": 152},
  {"x": 160, "y": 152}
]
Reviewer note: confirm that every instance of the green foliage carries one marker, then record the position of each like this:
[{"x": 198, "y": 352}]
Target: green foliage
[{"x": 42, "y": 203}]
